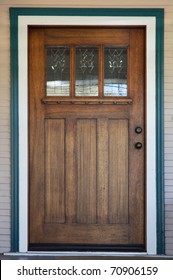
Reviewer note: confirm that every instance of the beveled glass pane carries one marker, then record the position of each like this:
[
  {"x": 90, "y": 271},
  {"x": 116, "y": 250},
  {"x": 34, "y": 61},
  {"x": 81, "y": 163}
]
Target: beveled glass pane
[
  {"x": 86, "y": 71},
  {"x": 58, "y": 71},
  {"x": 115, "y": 71}
]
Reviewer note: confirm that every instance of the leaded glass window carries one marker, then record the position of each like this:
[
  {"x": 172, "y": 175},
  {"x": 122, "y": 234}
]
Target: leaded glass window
[
  {"x": 115, "y": 71},
  {"x": 58, "y": 71},
  {"x": 86, "y": 71}
]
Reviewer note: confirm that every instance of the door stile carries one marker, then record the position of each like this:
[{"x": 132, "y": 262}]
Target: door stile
[
  {"x": 36, "y": 132},
  {"x": 137, "y": 119}
]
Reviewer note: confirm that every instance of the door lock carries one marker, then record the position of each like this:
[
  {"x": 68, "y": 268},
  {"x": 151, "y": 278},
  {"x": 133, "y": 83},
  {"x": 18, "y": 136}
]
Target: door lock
[
  {"x": 138, "y": 145},
  {"x": 138, "y": 129}
]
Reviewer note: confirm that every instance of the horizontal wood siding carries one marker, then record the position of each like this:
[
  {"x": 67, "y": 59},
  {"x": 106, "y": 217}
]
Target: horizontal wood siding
[
  {"x": 169, "y": 130},
  {"x": 5, "y": 102},
  {"x": 5, "y": 199}
]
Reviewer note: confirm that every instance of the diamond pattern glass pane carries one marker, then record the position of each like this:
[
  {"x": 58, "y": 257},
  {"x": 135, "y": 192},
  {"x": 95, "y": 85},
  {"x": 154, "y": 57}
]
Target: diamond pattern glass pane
[
  {"x": 86, "y": 71},
  {"x": 58, "y": 71},
  {"x": 115, "y": 71}
]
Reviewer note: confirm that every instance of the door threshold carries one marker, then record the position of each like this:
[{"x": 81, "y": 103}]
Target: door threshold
[
  {"x": 79, "y": 254},
  {"x": 69, "y": 255}
]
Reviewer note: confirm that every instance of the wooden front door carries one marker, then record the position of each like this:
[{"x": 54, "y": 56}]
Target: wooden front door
[{"x": 87, "y": 138}]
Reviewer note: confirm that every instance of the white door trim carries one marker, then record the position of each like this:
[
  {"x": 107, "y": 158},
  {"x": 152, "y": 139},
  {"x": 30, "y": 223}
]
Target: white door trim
[{"x": 150, "y": 23}]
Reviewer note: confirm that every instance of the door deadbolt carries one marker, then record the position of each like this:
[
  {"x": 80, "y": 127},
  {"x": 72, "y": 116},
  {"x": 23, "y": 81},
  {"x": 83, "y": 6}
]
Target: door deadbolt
[
  {"x": 138, "y": 129},
  {"x": 138, "y": 145}
]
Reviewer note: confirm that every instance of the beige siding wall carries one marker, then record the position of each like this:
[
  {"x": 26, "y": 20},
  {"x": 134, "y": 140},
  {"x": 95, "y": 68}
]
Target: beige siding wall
[
  {"x": 5, "y": 186},
  {"x": 4, "y": 131},
  {"x": 169, "y": 128}
]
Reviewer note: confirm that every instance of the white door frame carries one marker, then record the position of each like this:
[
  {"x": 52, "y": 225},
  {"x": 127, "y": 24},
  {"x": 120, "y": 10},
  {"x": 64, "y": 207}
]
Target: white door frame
[{"x": 150, "y": 24}]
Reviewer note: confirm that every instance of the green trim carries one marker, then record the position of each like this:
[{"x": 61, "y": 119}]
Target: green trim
[
  {"x": 160, "y": 133},
  {"x": 159, "y": 15},
  {"x": 87, "y": 12},
  {"x": 14, "y": 132}
]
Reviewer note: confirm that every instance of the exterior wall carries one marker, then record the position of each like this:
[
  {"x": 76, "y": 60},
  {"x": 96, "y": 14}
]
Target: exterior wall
[
  {"x": 5, "y": 186},
  {"x": 169, "y": 128},
  {"x": 4, "y": 131}
]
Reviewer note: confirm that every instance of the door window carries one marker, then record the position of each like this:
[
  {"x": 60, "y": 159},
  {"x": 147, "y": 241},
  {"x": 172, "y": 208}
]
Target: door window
[
  {"x": 58, "y": 71},
  {"x": 87, "y": 71},
  {"x": 86, "y": 82},
  {"x": 115, "y": 71}
]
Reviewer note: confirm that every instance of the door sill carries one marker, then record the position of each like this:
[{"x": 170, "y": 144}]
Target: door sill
[
  {"x": 69, "y": 255},
  {"x": 78, "y": 254}
]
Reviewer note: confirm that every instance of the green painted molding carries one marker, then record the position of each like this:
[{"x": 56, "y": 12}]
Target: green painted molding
[
  {"x": 87, "y": 12},
  {"x": 160, "y": 134},
  {"x": 14, "y": 133},
  {"x": 137, "y": 12}
]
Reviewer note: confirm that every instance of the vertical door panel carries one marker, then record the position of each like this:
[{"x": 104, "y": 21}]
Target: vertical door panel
[
  {"x": 54, "y": 171},
  {"x": 86, "y": 171},
  {"x": 70, "y": 167},
  {"x": 102, "y": 175},
  {"x": 118, "y": 171}
]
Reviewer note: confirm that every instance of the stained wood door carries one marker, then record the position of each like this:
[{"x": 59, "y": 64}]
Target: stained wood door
[{"x": 87, "y": 153}]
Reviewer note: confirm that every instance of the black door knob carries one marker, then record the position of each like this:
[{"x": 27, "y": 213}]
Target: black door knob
[
  {"x": 138, "y": 145},
  {"x": 138, "y": 129}
]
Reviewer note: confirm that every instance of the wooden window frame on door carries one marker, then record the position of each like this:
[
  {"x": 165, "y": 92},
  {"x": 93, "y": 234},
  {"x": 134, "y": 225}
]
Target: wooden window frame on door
[{"x": 21, "y": 18}]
